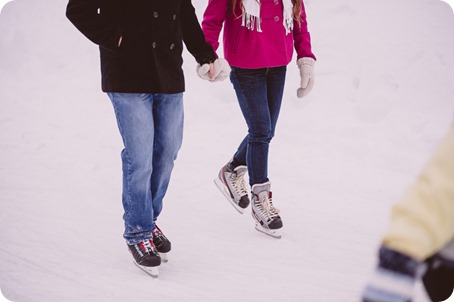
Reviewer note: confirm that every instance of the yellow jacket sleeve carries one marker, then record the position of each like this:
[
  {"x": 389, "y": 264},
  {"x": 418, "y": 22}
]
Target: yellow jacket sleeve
[{"x": 423, "y": 221}]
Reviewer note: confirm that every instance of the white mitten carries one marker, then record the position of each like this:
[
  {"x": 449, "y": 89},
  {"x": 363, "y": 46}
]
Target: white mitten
[
  {"x": 221, "y": 70},
  {"x": 306, "y": 67}
]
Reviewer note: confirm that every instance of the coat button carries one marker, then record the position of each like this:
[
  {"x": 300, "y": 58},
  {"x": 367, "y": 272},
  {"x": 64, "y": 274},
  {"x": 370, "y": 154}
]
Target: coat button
[
  {"x": 276, "y": 18},
  {"x": 155, "y": 14},
  {"x": 154, "y": 44},
  {"x": 174, "y": 17},
  {"x": 172, "y": 46}
]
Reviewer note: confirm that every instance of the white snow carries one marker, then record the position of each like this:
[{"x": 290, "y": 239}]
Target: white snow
[{"x": 383, "y": 99}]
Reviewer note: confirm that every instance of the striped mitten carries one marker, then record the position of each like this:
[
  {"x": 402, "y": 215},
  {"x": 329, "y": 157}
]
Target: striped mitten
[{"x": 393, "y": 279}]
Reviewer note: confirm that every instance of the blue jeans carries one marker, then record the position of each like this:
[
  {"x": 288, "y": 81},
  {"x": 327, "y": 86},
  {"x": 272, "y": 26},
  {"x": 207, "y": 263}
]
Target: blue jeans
[
  {"x": 151, "y": 126},
  {"x": 259, "y": 93}
]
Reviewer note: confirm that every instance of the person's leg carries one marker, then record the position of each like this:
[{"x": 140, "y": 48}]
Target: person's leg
[
  {"x": 250, "y": 87},
  {"x": 134, "y": 113},
  {"x": 231, "y": 181},
  {"x": 239, "y": 158},
  {"x": 259, "y": 93},
  {"x": 275, "y": 85},
  {"x": 168, "y": 124}
]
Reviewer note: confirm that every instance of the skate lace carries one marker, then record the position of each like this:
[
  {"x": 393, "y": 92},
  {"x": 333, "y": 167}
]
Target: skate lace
[
  {"x": 147, "y": 246},
  {"x": 266, "y": 207},
  {"x": 238, "y": 183}
]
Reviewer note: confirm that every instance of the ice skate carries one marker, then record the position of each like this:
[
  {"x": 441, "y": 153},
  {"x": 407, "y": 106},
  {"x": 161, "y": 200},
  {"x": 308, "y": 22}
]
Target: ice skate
[
  {"x": 146, "y": 257},
  {"x": 265, "y": 214},
  {"x": 233, "y": 186},
  {"x": 162, "y": 244}
]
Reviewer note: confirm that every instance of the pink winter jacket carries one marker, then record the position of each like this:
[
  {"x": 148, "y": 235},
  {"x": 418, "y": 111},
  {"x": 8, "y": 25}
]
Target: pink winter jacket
[{"x": 245, "y": 48}]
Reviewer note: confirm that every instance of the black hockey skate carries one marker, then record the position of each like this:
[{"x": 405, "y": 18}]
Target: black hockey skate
[{"x": 146, "y": 257}]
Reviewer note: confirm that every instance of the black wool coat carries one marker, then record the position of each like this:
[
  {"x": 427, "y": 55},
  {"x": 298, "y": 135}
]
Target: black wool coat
[{"x": 149, "y": 59}]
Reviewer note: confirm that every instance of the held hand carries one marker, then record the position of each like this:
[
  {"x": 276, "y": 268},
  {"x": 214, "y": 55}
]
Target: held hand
[
  {"x": 306, "y": 67},
  {"x": 219, "y": 70},
  {"x": 211, "y": 72}
]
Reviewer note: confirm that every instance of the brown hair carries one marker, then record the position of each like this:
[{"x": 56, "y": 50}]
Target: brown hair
[{"x": 297, "y": 7}]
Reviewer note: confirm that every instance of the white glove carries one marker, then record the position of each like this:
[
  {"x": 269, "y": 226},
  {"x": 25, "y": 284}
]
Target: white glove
[
  {"x": 306, "y": 67},
  {"x": 221, "y": 70}
]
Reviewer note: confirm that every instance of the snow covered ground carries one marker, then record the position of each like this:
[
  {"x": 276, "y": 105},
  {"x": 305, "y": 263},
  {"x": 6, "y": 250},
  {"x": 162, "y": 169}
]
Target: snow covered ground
[{"x": 384, "y": 97}]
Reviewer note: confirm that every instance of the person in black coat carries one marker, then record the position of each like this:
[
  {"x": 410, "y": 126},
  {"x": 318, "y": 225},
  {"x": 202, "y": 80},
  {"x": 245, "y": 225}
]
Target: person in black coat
[{"x": 141, "y": 45}]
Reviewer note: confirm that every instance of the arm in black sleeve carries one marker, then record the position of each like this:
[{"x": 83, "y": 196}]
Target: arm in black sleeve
[
  {"x": 87, "y": 18},
  {"x": 193, "y": 35}
]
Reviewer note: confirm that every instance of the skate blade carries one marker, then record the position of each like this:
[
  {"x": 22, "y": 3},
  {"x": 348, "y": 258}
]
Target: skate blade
[
  {"x": 226, "y": 193},
  {"x": 164, "y": 257},
  {"x": 277, "y": 233},
  {"x": 153, "y": 271}
]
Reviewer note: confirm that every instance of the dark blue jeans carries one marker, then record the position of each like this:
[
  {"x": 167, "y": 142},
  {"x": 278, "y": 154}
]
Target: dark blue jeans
[{"x": 259, "y": 93}]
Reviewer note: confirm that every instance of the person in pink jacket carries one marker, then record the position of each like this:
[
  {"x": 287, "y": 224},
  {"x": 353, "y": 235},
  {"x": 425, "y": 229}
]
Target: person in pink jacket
[{"x": 259, "y": 39}]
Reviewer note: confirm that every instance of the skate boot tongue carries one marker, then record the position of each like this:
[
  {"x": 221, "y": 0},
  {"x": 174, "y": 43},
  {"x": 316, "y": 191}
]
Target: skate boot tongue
[
  {"x": 260, "y": 189},
  {"x": 263, "y": 194},
  {"x": 240, "y": 170},
  {"x": 147, "y": 246},
  {"x": 267, "y": 204}
]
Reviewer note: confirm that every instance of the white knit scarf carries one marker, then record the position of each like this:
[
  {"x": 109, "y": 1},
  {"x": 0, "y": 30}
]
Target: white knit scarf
[{"x": 251, "y": 15}]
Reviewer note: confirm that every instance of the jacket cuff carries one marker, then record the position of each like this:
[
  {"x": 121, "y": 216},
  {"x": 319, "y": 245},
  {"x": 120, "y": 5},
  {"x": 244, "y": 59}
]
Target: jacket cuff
[{"x": 207, "y": 57}]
